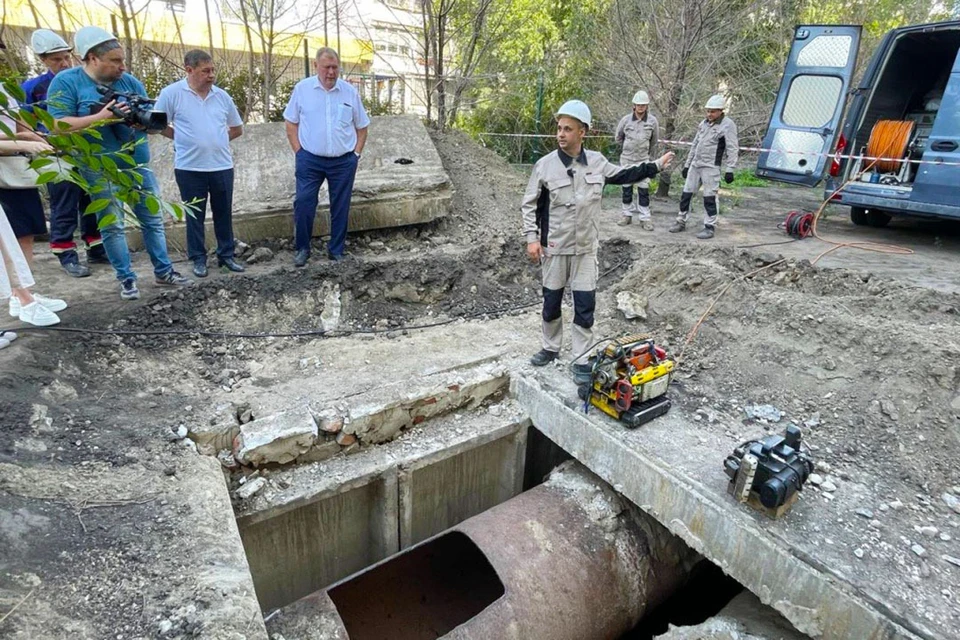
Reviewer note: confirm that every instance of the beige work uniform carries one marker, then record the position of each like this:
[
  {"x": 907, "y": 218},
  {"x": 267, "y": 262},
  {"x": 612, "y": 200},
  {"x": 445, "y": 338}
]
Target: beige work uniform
[
  {"x": 715, "y": 146},
  {"x": 638, "y": 139},
  {"x": 567, "y": 191}
]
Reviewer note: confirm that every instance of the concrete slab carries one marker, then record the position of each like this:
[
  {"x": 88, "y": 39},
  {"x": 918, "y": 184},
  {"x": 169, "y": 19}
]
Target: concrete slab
[
  {"x": 386, "y": 193},
  {"x": 146, "y": 549},
  {"x": 673, "y": 470}
]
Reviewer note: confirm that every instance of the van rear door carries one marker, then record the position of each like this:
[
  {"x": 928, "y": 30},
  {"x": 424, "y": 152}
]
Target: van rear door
[
  {"x": 937, "y": 183},
  {"x": 806, "y": 116}
]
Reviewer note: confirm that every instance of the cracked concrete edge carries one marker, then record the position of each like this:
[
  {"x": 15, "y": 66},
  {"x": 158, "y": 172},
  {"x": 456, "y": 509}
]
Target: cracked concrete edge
[
  {"x": 816, "y": 603},
  {"x": 226, "y": 570}
]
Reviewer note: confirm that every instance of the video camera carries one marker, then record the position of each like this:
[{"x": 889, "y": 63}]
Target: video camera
[
  {"x": 773, "y": 467},
  {"x": 140, "y": 112}
]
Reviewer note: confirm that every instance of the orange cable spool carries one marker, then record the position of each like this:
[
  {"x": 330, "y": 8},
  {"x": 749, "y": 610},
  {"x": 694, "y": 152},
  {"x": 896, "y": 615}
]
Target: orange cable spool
[{"x": 889, "y": 139}]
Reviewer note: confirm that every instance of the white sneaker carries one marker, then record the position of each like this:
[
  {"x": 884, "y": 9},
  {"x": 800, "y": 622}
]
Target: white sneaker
[
  {"x": 6, "y": 337},
  {"x": 53, "y": 304},
  {"x": 38, "y": 315}
]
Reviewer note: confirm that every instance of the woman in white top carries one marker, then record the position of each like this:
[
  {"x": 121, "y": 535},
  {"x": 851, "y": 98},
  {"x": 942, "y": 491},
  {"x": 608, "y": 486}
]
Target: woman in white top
[{"x": 15, "y": 275}]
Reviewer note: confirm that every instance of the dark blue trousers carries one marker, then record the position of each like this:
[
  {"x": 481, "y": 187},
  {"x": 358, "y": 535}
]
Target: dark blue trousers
[
  {"x": 311, "y": 172},
  {"x": 217, "y": 186},
  {"x": 67, "y": 203}
]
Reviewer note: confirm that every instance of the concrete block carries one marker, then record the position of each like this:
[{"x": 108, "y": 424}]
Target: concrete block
[
  {"x": 374, "y": 419},
  {"x": 815, "y": 601},
  {"x": 320, "y": 451},
  {"x": 211, "y": 439},
  {"x": 278, "y": 438},
  {"x": 300, "y": 550},
  {"x": 386, "y": 194}
]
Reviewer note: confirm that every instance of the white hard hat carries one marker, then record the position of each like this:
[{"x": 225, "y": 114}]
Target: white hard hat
[
  {"x": 716, "y": 102},
  {"x": 87, "y": 38},
  {"x": 641, "y": 97},
  {"x": 44, "y": 41},
  {"x": 575, "y": 109}
]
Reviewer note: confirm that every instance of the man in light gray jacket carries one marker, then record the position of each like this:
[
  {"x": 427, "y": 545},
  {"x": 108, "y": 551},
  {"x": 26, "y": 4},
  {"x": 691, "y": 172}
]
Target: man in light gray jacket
[
  {"x": 714, "y": 147},
  {"x": 637, "y": 134},
  {"x": 561, "y": 221}
]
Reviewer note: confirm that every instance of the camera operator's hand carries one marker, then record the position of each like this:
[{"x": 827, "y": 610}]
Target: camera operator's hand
[{"x": 666, "y": 159}]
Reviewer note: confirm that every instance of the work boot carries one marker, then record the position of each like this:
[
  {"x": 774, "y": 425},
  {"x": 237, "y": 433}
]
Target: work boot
[
  {"x": 75, "y": 269},
  {"x": 543, "y": 357},
  {"x": 97, "y": 255},
  {"x": 300, "y": 257},
  {"x": 624, "y": 221},
  {"x": 705, "y": 234},
  {"x": 647, "y": 225},
  {"x": 582, "y": 374},
  {"x": 678, "y": 227},
  {"x": 229, "y": 264},
  {"x": 200, "y": 268}
]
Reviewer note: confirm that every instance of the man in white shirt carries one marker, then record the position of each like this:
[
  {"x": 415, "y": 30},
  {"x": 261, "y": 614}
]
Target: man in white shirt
[
  {"x": 327, "y": 129},
  {"x": 205, "y": 120}
]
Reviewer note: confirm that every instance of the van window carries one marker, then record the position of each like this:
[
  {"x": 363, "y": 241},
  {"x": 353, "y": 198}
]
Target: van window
[
  {"x": 826, "y": 51},
  {"x": 812, "y": 101}
]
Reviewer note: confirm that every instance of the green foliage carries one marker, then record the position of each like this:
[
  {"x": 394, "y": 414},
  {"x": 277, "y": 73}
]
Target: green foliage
[
  {"x": 76, "y": 156},
  {"x": 747, "y": 178},
  {"x": 541, "y": 60},
  {"x": 279, "y": 99}
]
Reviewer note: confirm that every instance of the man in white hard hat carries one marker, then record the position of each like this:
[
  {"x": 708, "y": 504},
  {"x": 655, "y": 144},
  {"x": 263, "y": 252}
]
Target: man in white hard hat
[
  {"x": 67, "y": 200},
  {"x": 637, "y": 134},
  {"x": 74, "y": 99},
  {"x": 561, "y": 218},
  {"x": 715, "y": 147}
]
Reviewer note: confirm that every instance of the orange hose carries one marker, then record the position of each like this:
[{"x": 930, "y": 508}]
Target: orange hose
[{"x": 889, "y": 139}]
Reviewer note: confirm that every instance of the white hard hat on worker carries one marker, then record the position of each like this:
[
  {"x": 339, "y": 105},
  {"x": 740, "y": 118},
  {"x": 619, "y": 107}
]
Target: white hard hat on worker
[
  {"x": 88, "y": 38},
  {"x": 716, "y": 102},
  {"x": 44, "y": 41},
  {"x": 576, "y": 109}
]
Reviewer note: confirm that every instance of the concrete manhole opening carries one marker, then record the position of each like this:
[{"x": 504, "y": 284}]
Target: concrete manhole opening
[{"x": 419, "y": 595}]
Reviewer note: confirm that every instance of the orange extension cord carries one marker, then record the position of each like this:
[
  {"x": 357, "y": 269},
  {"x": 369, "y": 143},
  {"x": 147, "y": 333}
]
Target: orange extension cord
[{"x": 889, "y": 139}]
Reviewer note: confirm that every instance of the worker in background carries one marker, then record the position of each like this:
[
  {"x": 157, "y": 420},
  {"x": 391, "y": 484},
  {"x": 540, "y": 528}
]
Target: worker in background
[
  {"x": 67, "y": 200},
  {"x": 561, "y": 219},
  {"x": 637, "y": 135},
  {"x": 715, "y": 147}
]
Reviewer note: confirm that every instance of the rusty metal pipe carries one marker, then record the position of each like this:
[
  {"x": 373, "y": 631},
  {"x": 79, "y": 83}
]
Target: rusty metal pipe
[{"x": 568, "y": 559}]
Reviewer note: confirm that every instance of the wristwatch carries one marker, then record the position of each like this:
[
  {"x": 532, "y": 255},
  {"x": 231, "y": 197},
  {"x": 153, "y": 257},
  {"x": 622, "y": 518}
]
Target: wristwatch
[{"x": 358, "y": 155}]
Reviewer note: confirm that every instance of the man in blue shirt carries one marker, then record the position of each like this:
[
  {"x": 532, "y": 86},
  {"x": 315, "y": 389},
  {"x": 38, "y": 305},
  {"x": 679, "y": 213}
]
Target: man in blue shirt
[
  {"x": 327, "y": 129},
  {"x": 73, "y": 98},
  {"x": 67, "y": 200},
  {"x": 205, "y": 120}
]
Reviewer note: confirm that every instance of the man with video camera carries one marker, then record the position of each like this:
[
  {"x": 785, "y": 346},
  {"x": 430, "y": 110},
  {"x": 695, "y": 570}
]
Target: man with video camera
[{"x": 101, "y": 90}]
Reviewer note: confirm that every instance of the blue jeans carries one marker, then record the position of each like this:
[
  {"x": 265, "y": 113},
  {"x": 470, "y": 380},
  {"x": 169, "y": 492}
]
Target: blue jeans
[
  {"x": 198, "y": 186},
  {"x": 311, "y": 172},
  {"x": 151, "y": 228}
]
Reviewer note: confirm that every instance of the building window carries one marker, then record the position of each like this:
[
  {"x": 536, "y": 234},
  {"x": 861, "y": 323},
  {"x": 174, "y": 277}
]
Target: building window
[{"x": 175, "y": 5}]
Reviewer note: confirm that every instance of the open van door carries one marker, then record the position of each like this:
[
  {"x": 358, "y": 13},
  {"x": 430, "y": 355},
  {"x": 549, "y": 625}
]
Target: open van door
[{"x": 806, "y": 117}]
